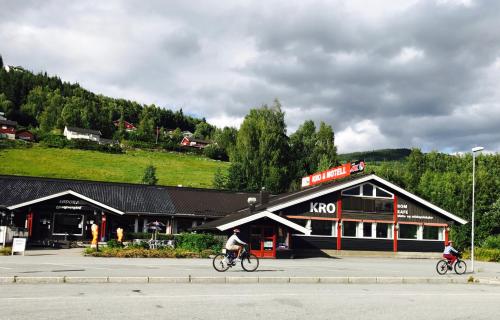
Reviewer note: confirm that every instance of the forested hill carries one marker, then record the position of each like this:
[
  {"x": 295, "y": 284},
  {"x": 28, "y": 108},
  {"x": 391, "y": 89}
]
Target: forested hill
[
  {"x": 376, "y": 155},
  {"x": 46, "y": 102}
]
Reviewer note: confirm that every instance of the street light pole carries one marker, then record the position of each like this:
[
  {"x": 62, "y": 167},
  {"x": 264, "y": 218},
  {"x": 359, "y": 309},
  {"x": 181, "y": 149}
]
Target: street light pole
[{"x": 474, "y": 150}]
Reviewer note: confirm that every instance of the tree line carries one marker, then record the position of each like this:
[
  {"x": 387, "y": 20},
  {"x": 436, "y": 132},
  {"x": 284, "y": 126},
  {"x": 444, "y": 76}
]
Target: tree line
[{"x": 446, "y": 181}]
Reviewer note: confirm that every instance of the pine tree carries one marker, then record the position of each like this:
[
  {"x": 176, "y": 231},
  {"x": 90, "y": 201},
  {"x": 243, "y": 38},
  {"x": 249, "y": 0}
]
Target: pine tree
[
  {"x": 1, "y": 62},
  {"x": 150, "y": 176}
]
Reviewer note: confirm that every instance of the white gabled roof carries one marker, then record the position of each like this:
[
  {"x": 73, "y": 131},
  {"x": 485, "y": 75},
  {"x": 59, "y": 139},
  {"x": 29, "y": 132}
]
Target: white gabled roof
[
  {"x": 71, "y": 192},
  {"x": 264, "y": 214},
  {"x": 355, "y": 182}
]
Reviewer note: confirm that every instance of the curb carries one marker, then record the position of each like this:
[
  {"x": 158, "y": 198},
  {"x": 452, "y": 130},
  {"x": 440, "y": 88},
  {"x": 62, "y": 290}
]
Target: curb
[{"x": 248, "y": 280}]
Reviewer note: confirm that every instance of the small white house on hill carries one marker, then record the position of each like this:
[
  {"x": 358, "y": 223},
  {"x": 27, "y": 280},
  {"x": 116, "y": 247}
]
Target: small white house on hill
[{"x": 80, "y": 133}]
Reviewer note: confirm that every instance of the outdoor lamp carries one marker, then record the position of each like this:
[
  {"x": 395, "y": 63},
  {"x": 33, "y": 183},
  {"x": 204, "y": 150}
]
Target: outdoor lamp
[{"x": 474, "y": 150}]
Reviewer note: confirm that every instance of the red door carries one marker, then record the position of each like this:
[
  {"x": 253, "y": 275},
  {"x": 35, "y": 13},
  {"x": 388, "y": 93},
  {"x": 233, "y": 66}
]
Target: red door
[{"x": 263, "y": 241}]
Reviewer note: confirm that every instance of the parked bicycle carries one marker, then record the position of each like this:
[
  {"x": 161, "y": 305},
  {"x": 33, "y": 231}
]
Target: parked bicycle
[
  {"x": 226, "y": 260},
  {"x": 444, "y": 265}
]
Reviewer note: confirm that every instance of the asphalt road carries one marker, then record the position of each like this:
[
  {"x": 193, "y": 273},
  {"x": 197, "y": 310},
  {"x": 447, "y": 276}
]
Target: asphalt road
[
  {"x": 247, "y": 301},
  {"x": 47, "y": 264}
]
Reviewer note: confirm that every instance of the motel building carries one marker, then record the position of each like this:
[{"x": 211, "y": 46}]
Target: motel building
[{"x": 334, "y": 211}]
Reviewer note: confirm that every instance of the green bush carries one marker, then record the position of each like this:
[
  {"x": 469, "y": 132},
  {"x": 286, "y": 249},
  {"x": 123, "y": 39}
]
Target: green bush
[
  {"x": 484, "y": 254},
  {"x": 492, "y": 242},
  {"x": 14, "y": 144},
  {"x": 114, "y": 244},
  {"x": 197, "y": 242},
  {"x": 5, "y": 251},
  {"x": 134, "y": 252},
  {"x": 54, "y": 141}
]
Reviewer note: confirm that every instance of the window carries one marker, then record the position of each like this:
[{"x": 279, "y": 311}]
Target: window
[
  {"x": 368, "y": 190},
  {"x": 349, "y": 228},
  {"x": 384, "y": 206},
  {"x": 382, "y": 194},
  {"x": 300, "y": 222},
  {"x": 367, "y": 230},
  {"x": 321, "y": 227},
  {"x": 184, "y": 225},
  {"x": 408, "y": 231},
  {"x": 431, "y": 233},
  {"x": 383, "y": 230},
  {"x": 68, "y": 224},
  {"x": 356, "y": 191}
]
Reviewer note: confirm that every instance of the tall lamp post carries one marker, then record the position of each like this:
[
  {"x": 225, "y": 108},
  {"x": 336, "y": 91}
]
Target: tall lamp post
[{"x": 474, "y": 150}]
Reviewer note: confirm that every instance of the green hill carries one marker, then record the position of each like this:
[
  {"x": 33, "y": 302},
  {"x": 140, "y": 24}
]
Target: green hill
[
  {"x": 171, "y": 168},
  {"x": 376, "y": 155}
]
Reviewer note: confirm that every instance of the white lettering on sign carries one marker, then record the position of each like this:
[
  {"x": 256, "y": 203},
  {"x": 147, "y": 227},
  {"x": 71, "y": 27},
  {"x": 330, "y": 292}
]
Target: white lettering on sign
[
  {"x": 319, "y": 207},
  {"x": 402, "y": 209},
  {"x": 69, "y": 201},
  {"x": 69, "y": 207}
]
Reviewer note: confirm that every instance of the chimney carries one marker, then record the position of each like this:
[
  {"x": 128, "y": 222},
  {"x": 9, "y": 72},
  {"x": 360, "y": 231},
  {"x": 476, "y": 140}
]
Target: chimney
[{"x": 264, "y": 196}]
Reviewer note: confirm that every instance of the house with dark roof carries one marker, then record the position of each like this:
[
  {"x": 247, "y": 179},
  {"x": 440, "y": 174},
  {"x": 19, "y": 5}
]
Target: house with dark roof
[
  {"x": 7, "y": 129},
  {"x": 80, "y": 133},
  {"x": 358, "y": 212},
  {"x": 54, "y": 209},
  {"x": 194, "y": 143}
]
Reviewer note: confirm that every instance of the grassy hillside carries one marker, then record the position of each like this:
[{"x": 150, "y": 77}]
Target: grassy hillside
[{"x": 171, "y": 168}]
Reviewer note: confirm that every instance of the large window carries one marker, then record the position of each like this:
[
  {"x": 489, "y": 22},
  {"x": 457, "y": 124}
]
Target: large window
[
  {"x": 367, "y": 230},
  {"x": 367, "y": 190},
  {"x": 349, "y": 228},
  {"x": 431, "y": 233},
  {"x": 321, "y": 227},
  {"x": 71, "y": 224},
  {"x": 383, "y": 230},
  {"x": 369, "y": 205},
  {"x": 408, "y": 231}
]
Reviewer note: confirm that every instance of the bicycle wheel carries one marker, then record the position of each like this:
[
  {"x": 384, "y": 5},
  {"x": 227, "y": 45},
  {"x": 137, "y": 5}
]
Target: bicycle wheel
[
  {"x": 250, "y": 263},
  {"x": 442, "y": 266},
  {"x": 460, "y": 267},
  {"x": 220, "y": 263}
]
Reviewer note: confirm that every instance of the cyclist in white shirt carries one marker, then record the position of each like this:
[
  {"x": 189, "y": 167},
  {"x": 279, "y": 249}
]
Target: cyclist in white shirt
[
  {"x": 450, "y": 253},
  {"x": 235, "y": 244}
]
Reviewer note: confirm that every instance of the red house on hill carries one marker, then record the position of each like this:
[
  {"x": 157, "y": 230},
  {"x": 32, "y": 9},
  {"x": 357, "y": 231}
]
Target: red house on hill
[
  {"x": 195, "y": 143},
  {"x": 128, "y": 126}
]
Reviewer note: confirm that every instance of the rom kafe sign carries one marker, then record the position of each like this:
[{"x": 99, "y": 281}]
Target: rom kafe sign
[{"x": 342, "y": 171}]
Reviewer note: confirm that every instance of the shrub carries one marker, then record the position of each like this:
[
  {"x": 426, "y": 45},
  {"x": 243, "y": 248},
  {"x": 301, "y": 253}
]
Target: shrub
[
  {"x": 492, "y": 242},
  {"x": 114, "y": 244},
  {"x": 484, "y": 254},
  {"x": 197, "y": 242},
  {"x": 54, "y": 141},
  {"x": 5, "y": 251}
]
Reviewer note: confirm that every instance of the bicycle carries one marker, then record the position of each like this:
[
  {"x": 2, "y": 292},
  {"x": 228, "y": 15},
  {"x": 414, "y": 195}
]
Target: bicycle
[
  {"x": 226, "y": 260},
  {"x": 444, "y": 265}
]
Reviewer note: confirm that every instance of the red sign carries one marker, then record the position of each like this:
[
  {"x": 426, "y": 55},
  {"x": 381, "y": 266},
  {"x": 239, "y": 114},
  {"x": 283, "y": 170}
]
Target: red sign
[{"x": 333, "y": 173}]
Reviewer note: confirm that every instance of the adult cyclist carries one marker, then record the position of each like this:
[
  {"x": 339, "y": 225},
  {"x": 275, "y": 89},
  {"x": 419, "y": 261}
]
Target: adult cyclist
[{"x": 235, "y": 244}]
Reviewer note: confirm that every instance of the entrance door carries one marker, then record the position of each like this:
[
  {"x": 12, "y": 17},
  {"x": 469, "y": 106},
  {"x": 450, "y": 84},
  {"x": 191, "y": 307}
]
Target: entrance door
[{"x": 263, "y": 241}]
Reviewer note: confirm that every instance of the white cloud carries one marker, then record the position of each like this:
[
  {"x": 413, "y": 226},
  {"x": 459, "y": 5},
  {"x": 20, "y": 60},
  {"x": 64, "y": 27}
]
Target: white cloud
[{"x": 408, "y": 54}]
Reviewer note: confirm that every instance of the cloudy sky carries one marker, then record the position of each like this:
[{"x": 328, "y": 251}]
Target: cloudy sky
[{"x": 384, "y": 74}]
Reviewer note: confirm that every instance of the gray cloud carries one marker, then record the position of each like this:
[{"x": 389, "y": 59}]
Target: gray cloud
[{"x": 422, "y": 74}]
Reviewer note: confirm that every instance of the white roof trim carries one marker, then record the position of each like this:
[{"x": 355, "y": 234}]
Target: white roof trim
[
  {"x": 418, "y": 199},
  {"x": 71, "y": 192},
  {"x": 264, "y": 214},
  {"x": 360, "y": 181}
]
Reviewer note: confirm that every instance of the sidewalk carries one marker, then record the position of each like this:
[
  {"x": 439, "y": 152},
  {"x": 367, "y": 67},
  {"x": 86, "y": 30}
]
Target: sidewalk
[{"x": 68, "y": 266}]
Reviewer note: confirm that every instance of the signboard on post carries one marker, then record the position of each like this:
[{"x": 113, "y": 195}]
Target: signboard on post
[
  {"x": 18, "y": 245},
  {"x": 342, "y": 171}
]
